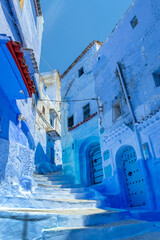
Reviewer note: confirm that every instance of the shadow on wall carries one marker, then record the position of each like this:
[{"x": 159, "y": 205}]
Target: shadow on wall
[
  {"x": 42, "y": 163},
  {"x": 15, "y": 137},
  {"x": 28, "y": 134},
  {"x": 6, "y": 115}
]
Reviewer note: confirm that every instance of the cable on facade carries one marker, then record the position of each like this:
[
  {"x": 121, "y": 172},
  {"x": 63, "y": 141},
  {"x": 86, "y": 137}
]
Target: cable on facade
[{"x": 75, "y": 100}]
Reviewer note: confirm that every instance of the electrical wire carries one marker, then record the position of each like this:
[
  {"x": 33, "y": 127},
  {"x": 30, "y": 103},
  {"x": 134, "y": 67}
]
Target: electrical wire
[{"x": 75, "y": 100}]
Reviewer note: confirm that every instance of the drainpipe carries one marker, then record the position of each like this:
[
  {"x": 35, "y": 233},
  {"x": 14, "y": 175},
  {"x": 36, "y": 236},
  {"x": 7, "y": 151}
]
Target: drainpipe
[
  {"x": 130, "y": 109},
  {"x": 146, "y": 173}
]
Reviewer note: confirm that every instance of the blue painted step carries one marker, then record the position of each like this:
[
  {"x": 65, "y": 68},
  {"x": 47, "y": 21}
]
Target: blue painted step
[
  {"x": 110, "y": 231},
  {"x": 18, "y": 220},
  {"x": 50, "y": 204}
]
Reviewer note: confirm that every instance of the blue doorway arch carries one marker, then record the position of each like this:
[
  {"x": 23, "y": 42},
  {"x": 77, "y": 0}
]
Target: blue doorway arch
[{"x": 85, "y": 161}]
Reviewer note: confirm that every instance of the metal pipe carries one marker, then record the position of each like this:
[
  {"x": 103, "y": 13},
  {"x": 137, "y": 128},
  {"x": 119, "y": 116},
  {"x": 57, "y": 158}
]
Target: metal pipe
[
  {"x": 130, "y": 109},
  {"x": 151, "y": 200}
]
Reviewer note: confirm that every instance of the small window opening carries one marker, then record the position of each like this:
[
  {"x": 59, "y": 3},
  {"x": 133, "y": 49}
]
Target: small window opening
[
  {"x": 52, "y": 122},
  {"x": 70, "y": 121},
  {"x": 134, "y": 22},
  {"x": 86, "y": 111},
  {"x": 80, "y": 71},
  {"x": 116, "y": 111},
  {"x": 43, "y": 110},
  {"x": 156, "y": 77}
]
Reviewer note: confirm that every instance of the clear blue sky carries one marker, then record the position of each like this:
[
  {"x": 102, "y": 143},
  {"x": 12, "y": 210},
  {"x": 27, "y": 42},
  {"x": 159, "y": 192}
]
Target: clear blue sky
[{"x": 70, "y": 25}]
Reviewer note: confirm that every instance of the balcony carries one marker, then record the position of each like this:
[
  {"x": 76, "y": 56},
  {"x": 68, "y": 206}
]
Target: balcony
[{"x": 53, "y": 132}]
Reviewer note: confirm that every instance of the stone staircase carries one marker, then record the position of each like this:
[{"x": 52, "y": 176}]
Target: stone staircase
[{"x": 58, "y": 210}]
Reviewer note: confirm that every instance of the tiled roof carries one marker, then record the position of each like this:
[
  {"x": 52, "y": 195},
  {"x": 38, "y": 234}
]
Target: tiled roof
[
  {"x": 80, "y": 56},
  {"x": 38, "y": 8},
  {"x": 86, "y": 120},
  {"x": 17, "y": 54}
]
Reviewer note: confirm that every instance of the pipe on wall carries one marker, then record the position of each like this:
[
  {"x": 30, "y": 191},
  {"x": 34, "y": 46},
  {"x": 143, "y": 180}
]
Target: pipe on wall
[{"x": 149, "y": 191}]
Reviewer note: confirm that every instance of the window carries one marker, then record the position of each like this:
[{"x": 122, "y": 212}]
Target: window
[
  {"x": 156, "y": 77},
  {"x": 21, "y": 3},
  {"x": 51, "y": 122},
  {"x": 86, "y": 111},
  {"x": 80, "y": 71},
  {"x": 116, "y": 110},
  {"x": 43, "y": 110},
  {"x": 134, "y": 22},
  {"x": 70, "y": 121}
]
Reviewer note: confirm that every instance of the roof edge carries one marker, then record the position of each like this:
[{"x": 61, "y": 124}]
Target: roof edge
[{"x": 80, "y": 57}]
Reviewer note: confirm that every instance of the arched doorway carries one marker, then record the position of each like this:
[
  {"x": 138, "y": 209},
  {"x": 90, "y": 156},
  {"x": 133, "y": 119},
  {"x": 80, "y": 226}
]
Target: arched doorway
[
  {"x": 134, "y": 179},
  {"x": 95, "y": 161}
]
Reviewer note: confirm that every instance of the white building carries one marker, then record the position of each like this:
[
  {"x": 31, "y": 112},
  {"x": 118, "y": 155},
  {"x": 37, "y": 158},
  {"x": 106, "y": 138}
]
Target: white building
[{"x": 48, "y": 123}]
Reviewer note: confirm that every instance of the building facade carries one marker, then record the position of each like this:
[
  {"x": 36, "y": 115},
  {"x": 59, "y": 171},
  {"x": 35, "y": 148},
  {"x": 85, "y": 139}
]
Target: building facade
[
  {"x": 20, "y": 45},
  {"x": 127, "y": 79},
  {"x": 48, "y": 124},
  {"x": 81, "y": 154}
]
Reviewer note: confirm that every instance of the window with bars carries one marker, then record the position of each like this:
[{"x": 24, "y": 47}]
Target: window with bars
[
  {"x": 86, "y": 111},
  {"x": 116, "y": 111},
  {"x": 70, "y": 121}
]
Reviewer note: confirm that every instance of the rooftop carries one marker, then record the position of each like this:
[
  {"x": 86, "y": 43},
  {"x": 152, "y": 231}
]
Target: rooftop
[{"x": 80, "y": 57}]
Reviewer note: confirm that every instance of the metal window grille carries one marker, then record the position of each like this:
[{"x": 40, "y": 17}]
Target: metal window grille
[
  {"x": 70, "y": 121},
  {"x": 116, "y": 111},
  {"x": 134, "y": 22},
  {"x": 86, "y": 111}
]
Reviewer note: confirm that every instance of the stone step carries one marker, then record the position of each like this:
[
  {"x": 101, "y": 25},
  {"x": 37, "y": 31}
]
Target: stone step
[
  {"x": 51, "y": 204},
  {"x": 64, "y": 188},
  {"x": 111, "y": 231},
  {"x": 20, "y": 220},
  {"x": 146, "y": 236},
  {"x": 56, "y": 178},
  {"x": 49, "y": 174},
  {"x": 67, "y": 195},
  {"x": 146, "y": 215},
  {"x": 48, "y": 183},
  {"x": 67, "y": 218}
]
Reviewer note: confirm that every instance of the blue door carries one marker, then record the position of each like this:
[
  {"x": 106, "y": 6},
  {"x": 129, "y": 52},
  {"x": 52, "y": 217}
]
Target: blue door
[
  {"x": 134, "y": 179},
  {"x": 96, "y": 165}
]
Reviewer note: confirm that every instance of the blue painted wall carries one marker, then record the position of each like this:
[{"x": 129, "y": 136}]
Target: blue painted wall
[
  {"x": 137, "y": 51},
  {"x": 17, "y": 138},
  {"x": 76, "y": 142}
]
